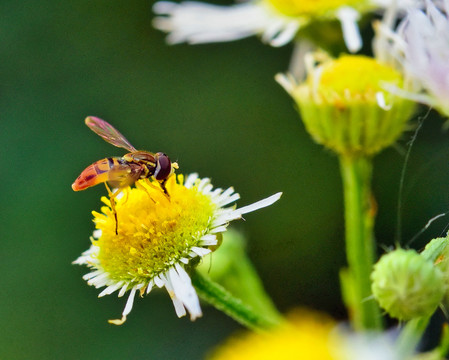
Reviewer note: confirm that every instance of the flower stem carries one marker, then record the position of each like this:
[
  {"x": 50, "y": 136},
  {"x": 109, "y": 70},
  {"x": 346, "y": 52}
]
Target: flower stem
[
  {"x": 359, "y": 219},
  {"x": 224, "y": 301},
  {"x": 233, "y": 270},
  {"x": 411, "y": 335}
]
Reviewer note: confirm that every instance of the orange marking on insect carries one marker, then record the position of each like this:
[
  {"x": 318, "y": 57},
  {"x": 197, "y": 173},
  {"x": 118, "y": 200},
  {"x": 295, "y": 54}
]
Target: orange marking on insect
[{"x": 94, "y": 174}]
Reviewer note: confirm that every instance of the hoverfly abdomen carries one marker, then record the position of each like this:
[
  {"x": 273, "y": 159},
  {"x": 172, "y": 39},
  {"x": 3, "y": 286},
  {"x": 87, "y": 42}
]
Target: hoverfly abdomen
[{"x": 94, "y": 174}]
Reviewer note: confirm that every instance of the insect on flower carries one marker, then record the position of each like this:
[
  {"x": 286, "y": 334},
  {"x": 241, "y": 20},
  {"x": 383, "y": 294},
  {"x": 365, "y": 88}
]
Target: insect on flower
[{"x": 120, "y": 172}]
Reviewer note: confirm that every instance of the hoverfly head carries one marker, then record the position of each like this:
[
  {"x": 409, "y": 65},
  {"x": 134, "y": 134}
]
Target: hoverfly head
[{"x": 164, "y": 167}]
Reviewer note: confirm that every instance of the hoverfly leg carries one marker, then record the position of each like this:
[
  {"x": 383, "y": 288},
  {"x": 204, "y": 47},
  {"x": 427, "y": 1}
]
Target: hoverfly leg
[
  {"x": 112, "y": 200},
  {"x": 158, "y": 188},
  {"x": 144, "y": 189},
  {"x": 162, "y": 184}
]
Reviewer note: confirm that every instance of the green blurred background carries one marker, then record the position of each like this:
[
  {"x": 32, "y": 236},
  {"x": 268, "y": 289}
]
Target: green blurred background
[{"x": 214, "y": 108}]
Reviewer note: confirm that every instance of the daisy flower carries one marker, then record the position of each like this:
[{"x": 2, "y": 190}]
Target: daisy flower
[
  {"x": 420, "y": 45},
  {"x": 276, "y": 21},
  {"x": 160, "y": 239}
]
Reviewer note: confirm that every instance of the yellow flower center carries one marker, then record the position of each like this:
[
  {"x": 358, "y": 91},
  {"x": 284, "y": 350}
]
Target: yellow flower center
[
  {"x": 350, "y": 79},
  {"x": 360, "y": 75},
  {"x": 313, "y": 8},
  {"x": 154, "y": 231}
]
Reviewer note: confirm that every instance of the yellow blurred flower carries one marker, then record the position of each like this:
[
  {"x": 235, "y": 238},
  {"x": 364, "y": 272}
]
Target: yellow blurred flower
[{"x": 306, "y": 336}]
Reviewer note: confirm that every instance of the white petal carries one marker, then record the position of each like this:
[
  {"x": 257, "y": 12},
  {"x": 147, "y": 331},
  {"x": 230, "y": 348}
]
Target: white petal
[
  {"x": 110, "y": 289},
  {"x": 351, "y": 33},
  {"x": 200, "y": 251},
  {"x": 286, "y": 35},
  {"x": 230, "y": 199},
  {"x": 203, "y": 183},
  {"x": 86, "y": 257},
  {"x": 99, "y": 280},
  {"x": 179, "y": 306},
  {"x": 150, "y": 286},
  {"x": 184, "y": 260},
  {"x": 207, "y": 189},
  {"x": 223, "y": 199},
  {"x": 190, "y": 180},
  {"x": 225, "y": 216},
  {"x": 184, "y": 291},
  {"x": 92, "y": 274},
  {"x": 208, "y": 239},
  {"x": 130, "y": 301},
  {"x": 259, "y": 204},
  {"x": 123, "y": 290},
  {"x": 215, "y": 193},
  {"x": 195, "y": 22},
  {"x": 380, "y": 98},
  {"x": 286, "y": 81},
  {"x": 159, "y": 282},
  {"x": 219, "y": 229}
]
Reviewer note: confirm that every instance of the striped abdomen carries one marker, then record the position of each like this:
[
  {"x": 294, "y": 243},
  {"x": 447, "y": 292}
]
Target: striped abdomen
[{"x": 97, "y": 173}]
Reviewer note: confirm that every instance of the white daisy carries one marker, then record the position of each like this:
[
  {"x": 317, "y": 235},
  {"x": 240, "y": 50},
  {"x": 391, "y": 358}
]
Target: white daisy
[
  {"x": 160, "y": 239},
  {"x": 276, "y": 21}
]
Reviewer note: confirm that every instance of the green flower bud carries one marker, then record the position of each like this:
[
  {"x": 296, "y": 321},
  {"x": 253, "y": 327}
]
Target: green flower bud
[
  {"x": 407, "y": 285},
  {"x": 344, "y": 105},
  {"x": 440, "y": 252}
]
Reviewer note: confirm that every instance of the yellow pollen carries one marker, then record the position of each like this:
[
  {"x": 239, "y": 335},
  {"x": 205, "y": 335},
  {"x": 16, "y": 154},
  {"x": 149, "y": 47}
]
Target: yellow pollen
[
  {"x": 154, "y": 231},
  {"x": 313, "y": 8}
]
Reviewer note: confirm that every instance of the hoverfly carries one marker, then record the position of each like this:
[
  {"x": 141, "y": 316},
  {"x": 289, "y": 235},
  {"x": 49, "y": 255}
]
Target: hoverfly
[{"x": 120, "y": 172}]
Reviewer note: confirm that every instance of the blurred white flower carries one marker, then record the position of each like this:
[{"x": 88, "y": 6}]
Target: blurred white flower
[
  {"x": 367, "y": 346},
  {"x": 195, "y": 22},
  {"x": 420, "y": 46},
  {"x": 275, "y": 21}
]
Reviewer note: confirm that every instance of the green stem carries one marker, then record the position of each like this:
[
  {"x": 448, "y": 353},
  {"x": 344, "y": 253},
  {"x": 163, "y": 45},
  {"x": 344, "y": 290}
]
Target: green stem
[
  {"x": 411, "y": 335},
  {"x": 222, "y": 300},
  {"x": 359, "y": 220}
]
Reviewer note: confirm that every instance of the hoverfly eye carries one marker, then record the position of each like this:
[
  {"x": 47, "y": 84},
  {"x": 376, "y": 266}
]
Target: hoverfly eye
[{"x": 163, "y": 167}]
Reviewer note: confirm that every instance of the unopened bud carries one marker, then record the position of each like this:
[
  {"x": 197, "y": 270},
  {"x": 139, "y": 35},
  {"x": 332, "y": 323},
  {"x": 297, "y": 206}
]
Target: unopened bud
[
  {"x": 407, "y": 285},
  {"x": 344, "y": 105}
]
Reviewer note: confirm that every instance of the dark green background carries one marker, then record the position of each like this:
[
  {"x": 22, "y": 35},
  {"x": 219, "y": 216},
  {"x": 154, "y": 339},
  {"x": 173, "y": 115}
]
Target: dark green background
[{"x": 214, "y": 108}]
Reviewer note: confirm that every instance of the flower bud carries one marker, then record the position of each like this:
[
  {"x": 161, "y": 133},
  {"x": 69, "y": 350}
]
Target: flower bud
[
  {"x": 407, "y": 285},
  {"x": 344, "y": 106}
]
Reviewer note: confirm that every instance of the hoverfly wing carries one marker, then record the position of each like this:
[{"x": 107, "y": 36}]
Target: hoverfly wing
[
  {"x": 123, "y": 175},
  {"x": 108, "y": 133}
]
